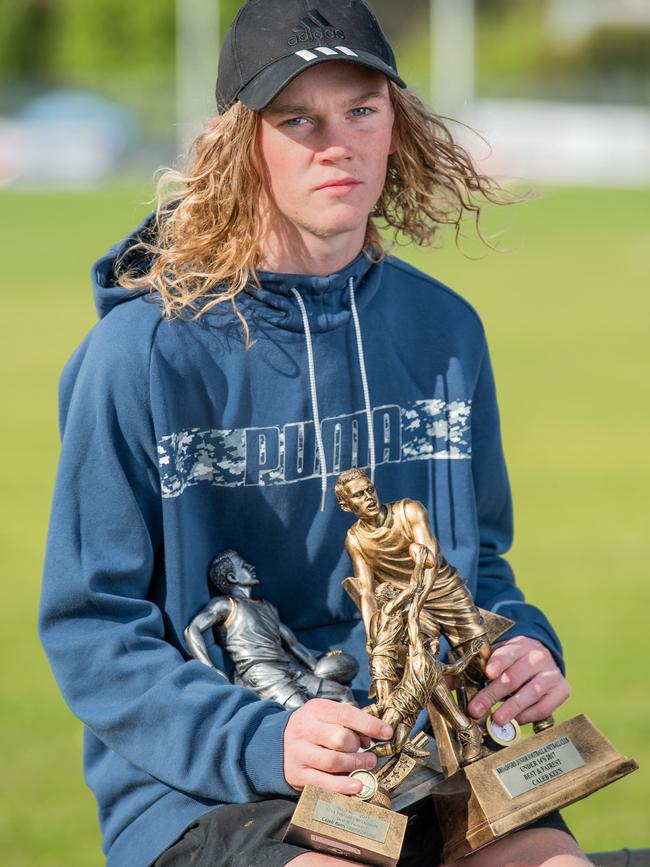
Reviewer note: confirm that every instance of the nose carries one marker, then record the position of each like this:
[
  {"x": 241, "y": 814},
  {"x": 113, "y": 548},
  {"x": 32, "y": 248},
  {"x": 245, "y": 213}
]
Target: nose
[
  {"x": 333, "y": 146},
  {"x": 333, "y": 155}
]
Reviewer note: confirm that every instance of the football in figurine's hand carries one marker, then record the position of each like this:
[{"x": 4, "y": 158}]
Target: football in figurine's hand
[{"x": 338, "y": 666}]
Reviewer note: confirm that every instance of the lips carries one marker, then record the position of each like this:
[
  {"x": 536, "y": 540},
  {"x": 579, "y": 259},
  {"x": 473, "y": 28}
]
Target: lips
[{"x": 340, "y": 182}]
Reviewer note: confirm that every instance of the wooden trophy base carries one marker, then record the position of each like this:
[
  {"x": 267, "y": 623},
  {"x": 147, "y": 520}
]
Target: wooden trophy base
[
  {"x": 517, "y": 785},
  {"x": 347, "y": 827}
]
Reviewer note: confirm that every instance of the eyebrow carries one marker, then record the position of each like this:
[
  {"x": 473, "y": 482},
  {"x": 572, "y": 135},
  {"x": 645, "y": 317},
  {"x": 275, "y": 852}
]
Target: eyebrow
[{"x": 288, "y": 108}]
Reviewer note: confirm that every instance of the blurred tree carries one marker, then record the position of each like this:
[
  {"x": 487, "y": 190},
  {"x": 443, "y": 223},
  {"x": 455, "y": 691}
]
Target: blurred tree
[
  {"x": 398, "y": 21},
  {"x": 27, "y": 32},
  {"x": 616, "y": 49},
  {"x": 611, "y": 63},
  {"x": 74, "y": 41},
  {"x": 229, "y": 9},
  {"x": 502, "y": 8},
  {"x": 113, "y": 38}
]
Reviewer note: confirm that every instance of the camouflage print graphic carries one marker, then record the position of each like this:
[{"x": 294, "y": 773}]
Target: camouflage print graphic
[{"x": 280, "y": 455}]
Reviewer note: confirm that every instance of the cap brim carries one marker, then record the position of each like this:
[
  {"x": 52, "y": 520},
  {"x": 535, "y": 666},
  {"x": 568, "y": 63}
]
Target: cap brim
[{"x": 267, "y": 84}]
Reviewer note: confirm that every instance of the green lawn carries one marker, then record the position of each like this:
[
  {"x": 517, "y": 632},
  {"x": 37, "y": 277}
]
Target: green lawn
[{"x": 567, "y": 311}]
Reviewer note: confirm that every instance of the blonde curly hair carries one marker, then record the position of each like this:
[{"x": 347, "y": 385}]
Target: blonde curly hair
[{"x": 205, "y": 243}]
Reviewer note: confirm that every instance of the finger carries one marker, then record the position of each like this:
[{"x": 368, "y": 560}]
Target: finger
[
  {"x": 364, "y": 742},
  {"x": 336, "y": 763},
  {"x": 307, "y": 721},
  {"x": 354, "y": 718},
  {"x": 503, "y": 656},
  {"x": 532, "y": 692},
  {"x": 344, "y": 785},
  {"x": 487, "y": 697},
  {"x": 532, "y": 658},
  {"x": 545, "y": 707},
  {"x": 533, "y": 662},
  {"x": 506, "y": 654},
  {"x": 335, "y": 737}
]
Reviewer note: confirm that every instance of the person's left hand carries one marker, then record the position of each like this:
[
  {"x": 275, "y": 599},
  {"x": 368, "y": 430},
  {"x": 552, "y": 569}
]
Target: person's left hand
[{"x": 523, "y": 669}]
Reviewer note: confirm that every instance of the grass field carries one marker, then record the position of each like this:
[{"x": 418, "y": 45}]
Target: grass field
[{"x": 567, "y": 312}]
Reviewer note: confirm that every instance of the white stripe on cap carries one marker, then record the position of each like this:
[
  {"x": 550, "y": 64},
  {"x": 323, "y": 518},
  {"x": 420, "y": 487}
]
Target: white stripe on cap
[
  {"x": 346, "y": 50},
  {"x": 307, "y": 55},
  {"x": 324, "y": 50}
]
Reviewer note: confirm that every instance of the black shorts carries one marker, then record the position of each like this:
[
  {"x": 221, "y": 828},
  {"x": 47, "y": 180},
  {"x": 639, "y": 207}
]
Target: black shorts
[{"x": 250, "y": 835}]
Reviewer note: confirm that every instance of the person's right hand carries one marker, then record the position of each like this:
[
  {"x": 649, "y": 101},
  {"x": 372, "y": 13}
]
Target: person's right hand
[{"x": 321, "y": 743}]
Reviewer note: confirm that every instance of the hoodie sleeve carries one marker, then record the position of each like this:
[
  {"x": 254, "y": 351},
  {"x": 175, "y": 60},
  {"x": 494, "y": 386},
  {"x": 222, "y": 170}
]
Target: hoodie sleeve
[
  {"x": 496, "y": 590},
  {"x": 175, "y": 719}
]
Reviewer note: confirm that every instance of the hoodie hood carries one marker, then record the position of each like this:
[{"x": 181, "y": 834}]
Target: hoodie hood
[
  {"x": 107, "y": 292},
  {"x": 326, "y": 298}
]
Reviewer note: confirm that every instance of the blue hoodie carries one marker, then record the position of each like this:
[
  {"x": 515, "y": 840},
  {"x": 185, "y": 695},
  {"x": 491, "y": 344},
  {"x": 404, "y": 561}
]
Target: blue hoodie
[{"x": 179, "y": 443}]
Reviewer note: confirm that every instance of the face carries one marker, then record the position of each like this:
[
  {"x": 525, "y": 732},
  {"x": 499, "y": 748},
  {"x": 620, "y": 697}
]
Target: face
[
  {"x": 243, "y": 573},
  {"x": 361, "y": 499},
  {"x": 325, "y": 143}
]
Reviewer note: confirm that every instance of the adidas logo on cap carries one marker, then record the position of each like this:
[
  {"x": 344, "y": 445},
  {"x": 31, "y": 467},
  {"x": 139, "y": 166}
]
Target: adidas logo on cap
[{"x": 313, "y": 28}]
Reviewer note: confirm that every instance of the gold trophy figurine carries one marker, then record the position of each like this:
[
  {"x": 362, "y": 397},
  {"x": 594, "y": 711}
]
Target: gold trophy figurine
[{"x": 391, "y": 545}]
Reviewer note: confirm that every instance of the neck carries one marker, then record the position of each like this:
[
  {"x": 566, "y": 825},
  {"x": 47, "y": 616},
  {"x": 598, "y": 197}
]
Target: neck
[
  {"x": 374, "y": 522},
  {"x": 291, "y": 249}
]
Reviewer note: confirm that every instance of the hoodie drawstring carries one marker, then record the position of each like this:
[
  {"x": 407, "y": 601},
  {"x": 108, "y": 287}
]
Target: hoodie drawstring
[
  {"x": 314, "y": 399},
  {"x": 314, "y": 395},
  {"x": 364, "y": 381}
]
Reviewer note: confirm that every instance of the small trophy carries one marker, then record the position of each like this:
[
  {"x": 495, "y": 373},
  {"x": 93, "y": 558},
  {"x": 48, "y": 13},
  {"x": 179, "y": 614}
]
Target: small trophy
[{"x": 487, "y": 782}]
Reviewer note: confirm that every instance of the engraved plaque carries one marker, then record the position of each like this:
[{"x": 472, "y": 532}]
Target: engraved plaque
[
  {"x": 349, "y": 820},
  {"x": 538, "y": 766},
  {"x": 344, "y": 825}
]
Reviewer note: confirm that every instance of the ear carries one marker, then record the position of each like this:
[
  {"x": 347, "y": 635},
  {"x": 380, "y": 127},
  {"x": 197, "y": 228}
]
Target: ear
[
  {"x": 343, "y": 504},
  {"x": 393, "y": 140},
  {"x": 394, "y": 136}
]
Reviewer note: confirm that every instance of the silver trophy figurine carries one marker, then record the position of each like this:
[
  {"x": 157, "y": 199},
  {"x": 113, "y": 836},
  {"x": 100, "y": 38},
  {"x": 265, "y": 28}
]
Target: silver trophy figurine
[{"x": 267, "y": 656}]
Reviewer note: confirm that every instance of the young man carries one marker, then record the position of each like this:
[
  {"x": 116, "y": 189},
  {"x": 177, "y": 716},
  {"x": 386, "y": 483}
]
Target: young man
[{"x": 254, "y": 342}]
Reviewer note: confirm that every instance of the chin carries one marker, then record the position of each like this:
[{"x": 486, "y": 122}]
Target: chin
[
  {"x": 339, "y": 222},
  {"x": 330, "y": 230}
]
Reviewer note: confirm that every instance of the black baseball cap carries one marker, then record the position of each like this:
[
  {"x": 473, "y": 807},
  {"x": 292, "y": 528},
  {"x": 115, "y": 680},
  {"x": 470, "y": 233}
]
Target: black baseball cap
[{"x": 271, "y": 42}]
